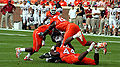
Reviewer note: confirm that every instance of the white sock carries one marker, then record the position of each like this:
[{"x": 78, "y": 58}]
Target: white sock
[
  {"x": 91, "y": 47},
  {"x": 28, "y": 55},
  {"x": 96, "y": 50},
  {"x": 75, "y": 36},
  {"x": 22, "y": 49},
  {"x": 99, "y": 44}
]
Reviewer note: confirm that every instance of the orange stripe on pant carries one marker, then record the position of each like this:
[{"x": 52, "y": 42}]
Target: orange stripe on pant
[{"x": 37, "y": 41}]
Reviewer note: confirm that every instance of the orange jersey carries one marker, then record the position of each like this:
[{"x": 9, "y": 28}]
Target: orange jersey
[
  {"x": 49, "y": 15},
  {"x": 61, "y": 24},
  {"x": 64, "y": 51}
]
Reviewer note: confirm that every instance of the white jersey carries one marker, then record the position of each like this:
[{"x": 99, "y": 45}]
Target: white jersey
[
  {"x": 113, "y": 13},
  {"x": 25, "y": 8},
  {"x": 43, "y": 11},
  {"x": 36, "y": 9}
]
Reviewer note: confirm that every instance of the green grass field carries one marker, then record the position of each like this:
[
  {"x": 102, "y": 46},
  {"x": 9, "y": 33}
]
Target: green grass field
[{"x": 9, "y": 40}]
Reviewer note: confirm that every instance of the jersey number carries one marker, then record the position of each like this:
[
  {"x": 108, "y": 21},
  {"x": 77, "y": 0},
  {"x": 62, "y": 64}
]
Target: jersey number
[{"x": 67, "y": 52}]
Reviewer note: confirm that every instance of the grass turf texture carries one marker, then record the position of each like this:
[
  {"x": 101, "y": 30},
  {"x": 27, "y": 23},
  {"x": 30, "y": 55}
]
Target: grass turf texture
[{"x": 8, "y": 43}]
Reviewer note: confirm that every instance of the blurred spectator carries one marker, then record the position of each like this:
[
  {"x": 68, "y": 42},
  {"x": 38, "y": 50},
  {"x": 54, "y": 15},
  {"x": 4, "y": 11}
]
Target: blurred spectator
[
  {"x": 3, "y": 12},
  {"x": 119, "y": 14},
  {"x": 103, "y": 3},
  {"x": 104, "y": 21},
  {"x": 86, "y": 3},
  {"x": 25, "y": 11},
  {"x": 98, "y": 3},
  {"x": 36, "y": 11},
  {"x": 63, "y": 3},
  {"x": 59, "y": 8},
  {"x": 88, "y": 14},
  {"x": 9, "y": 9},
  {"x": 95, "y": 23},
  {"x": 71, "y": 2},
  {"x": 76, "y": 2},
  {"x": 51, "y": 2},
  {"x": 112, "y": 14},
  {"x": 43, "y": 2},
  {"x": 80, "y": 12},
  {"x": 72, "y": 14},
  {"x": 43, "y": 9}
]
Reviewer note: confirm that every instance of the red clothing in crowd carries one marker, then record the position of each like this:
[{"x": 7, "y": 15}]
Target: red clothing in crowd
[
  {"x": 3, "y": 12},
  {"x": 106, "y": 13},
  {"x": 51, "y": 2},
  {"x": 43, "y": 2},
  {"x": 56, "y": 0},
  {"x": 88, "y": 11},
  {"x": 76, "y": 2},
  {"x": 9, "y": 8},
  {"x": 63, "y": 3},
  {"x": 4, "y": 1}
]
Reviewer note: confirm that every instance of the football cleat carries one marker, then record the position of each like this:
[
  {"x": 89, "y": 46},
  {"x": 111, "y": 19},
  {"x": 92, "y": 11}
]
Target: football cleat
[
  {"x": 102, "y": 45},
  {"x": 43, "y": 43},
  {"x": 17, "y": 52},
  {"x": 79, "y": 34},
  {"x": 105, "y": 50},
  {"x": 27, "y": 59}
]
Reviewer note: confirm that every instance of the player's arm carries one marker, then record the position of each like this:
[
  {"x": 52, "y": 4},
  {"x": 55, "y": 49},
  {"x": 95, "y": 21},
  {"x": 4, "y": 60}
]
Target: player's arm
[
  {"x": 53, "y": 24},
  {"x": 45, "y": 19},
  {"x": 108, "y": 15},
  {"x": 69, "y": 44},
  {"x": 54, "y": 53}
]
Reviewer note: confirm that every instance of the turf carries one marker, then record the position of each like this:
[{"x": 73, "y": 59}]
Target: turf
[{"x": 8, "y": 43}]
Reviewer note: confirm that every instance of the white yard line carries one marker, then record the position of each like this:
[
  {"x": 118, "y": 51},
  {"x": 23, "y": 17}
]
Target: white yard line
[
  {"x": 112, "y": 41},
  {"x": 12, "y": 34},
  {"x": 83, "y": 34}
]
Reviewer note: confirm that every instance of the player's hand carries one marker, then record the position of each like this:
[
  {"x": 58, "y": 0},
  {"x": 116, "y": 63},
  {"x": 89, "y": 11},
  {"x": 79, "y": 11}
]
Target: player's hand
[{"x": 41, "y": 34}]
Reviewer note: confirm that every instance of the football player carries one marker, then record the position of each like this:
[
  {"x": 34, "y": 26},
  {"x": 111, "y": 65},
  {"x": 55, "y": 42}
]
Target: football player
[
  {"x": 68, "y": 55},
  {"x": 50, "y": 14},
  {"x": 25, "y": 11},
  {"x": 119, "y": 14},
  {"x": 113, "y": 15},
  {"x": 56, "y": 36},
  {"x": 37, "y": 43},
  {"x": 72, "y": 31},
  {"x": 43, "y": 12},
  {"x": 36, "y": 11}
]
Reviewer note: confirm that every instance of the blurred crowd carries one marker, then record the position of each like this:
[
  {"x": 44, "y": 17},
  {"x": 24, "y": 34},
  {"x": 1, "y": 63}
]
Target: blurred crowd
[
  {"x": 85, "y": 3},
  {"x": 91, "y": 20}
]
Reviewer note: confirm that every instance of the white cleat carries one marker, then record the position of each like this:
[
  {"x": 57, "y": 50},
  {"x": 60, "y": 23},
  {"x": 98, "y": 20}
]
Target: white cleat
[
  {"x": 102, "y": 45},
  {"x": 17, "y": 52},
  {"x": 27, "y": 59}
]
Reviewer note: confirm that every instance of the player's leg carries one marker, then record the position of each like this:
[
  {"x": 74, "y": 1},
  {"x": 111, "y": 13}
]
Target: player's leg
[
  {"x": 106, "y": 27},
  {"x": 115, "y": 26},
  {"x": 101, "y": 26},
  {"x": 11, "y": 19},
  {"x": 87, "y": 24},
  {"x": 93, "y": 25},
  {"x": 110, "y": 24},
  {"x": 71, "y": 30}
]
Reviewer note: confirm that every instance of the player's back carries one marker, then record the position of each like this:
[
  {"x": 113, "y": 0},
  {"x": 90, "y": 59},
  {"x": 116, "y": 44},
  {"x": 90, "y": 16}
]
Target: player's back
[
  {"x": 64, "y": 51},
  {"x": 61, "y": 24}
]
